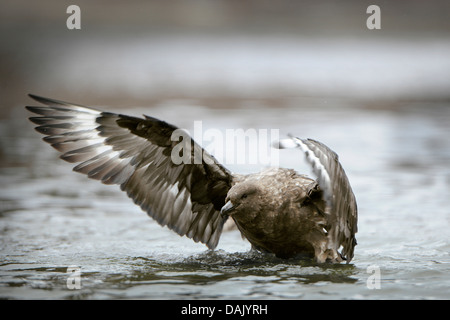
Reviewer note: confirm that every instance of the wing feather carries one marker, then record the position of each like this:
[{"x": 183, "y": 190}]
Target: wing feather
[
  {"x": 135, "y": 154},
  {"x": 341, "y": 210}
]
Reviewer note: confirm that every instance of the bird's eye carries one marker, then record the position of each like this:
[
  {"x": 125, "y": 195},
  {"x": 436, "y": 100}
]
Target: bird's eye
[{"x": 244, "y": 196}]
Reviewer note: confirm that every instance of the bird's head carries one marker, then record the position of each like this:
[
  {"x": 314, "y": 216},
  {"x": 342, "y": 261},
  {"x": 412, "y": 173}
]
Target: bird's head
[{"x": 242, "y": 198}]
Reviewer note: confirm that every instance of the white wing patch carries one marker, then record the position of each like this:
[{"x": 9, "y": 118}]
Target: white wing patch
[{"x": 139, "y": 161}]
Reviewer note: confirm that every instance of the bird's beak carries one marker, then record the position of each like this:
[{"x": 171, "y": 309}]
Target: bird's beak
[{"x": 229, "y": 206}]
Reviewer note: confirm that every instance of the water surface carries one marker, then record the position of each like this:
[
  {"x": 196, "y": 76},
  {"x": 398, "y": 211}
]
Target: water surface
[{"x": 397, "y": 160}]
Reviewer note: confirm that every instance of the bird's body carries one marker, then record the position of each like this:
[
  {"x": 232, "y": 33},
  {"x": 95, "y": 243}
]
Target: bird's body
[
  {"x": 282, "y": 212},
  {"x": 277, "y": 210}
]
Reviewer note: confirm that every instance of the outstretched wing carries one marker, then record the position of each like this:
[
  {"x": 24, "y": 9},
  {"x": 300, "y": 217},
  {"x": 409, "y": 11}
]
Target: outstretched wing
[
  {"x": 342, "y": 212},
  {"x": 136, "y": 153}
]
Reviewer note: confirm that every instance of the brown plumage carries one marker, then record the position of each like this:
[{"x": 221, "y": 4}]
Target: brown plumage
[{"x": 277, "y": 210}]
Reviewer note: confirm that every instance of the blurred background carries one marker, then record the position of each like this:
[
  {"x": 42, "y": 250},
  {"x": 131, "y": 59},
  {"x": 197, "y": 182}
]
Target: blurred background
[
  {"x": 379, "y": 98},
  {"x": 141, "y": 52}
]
